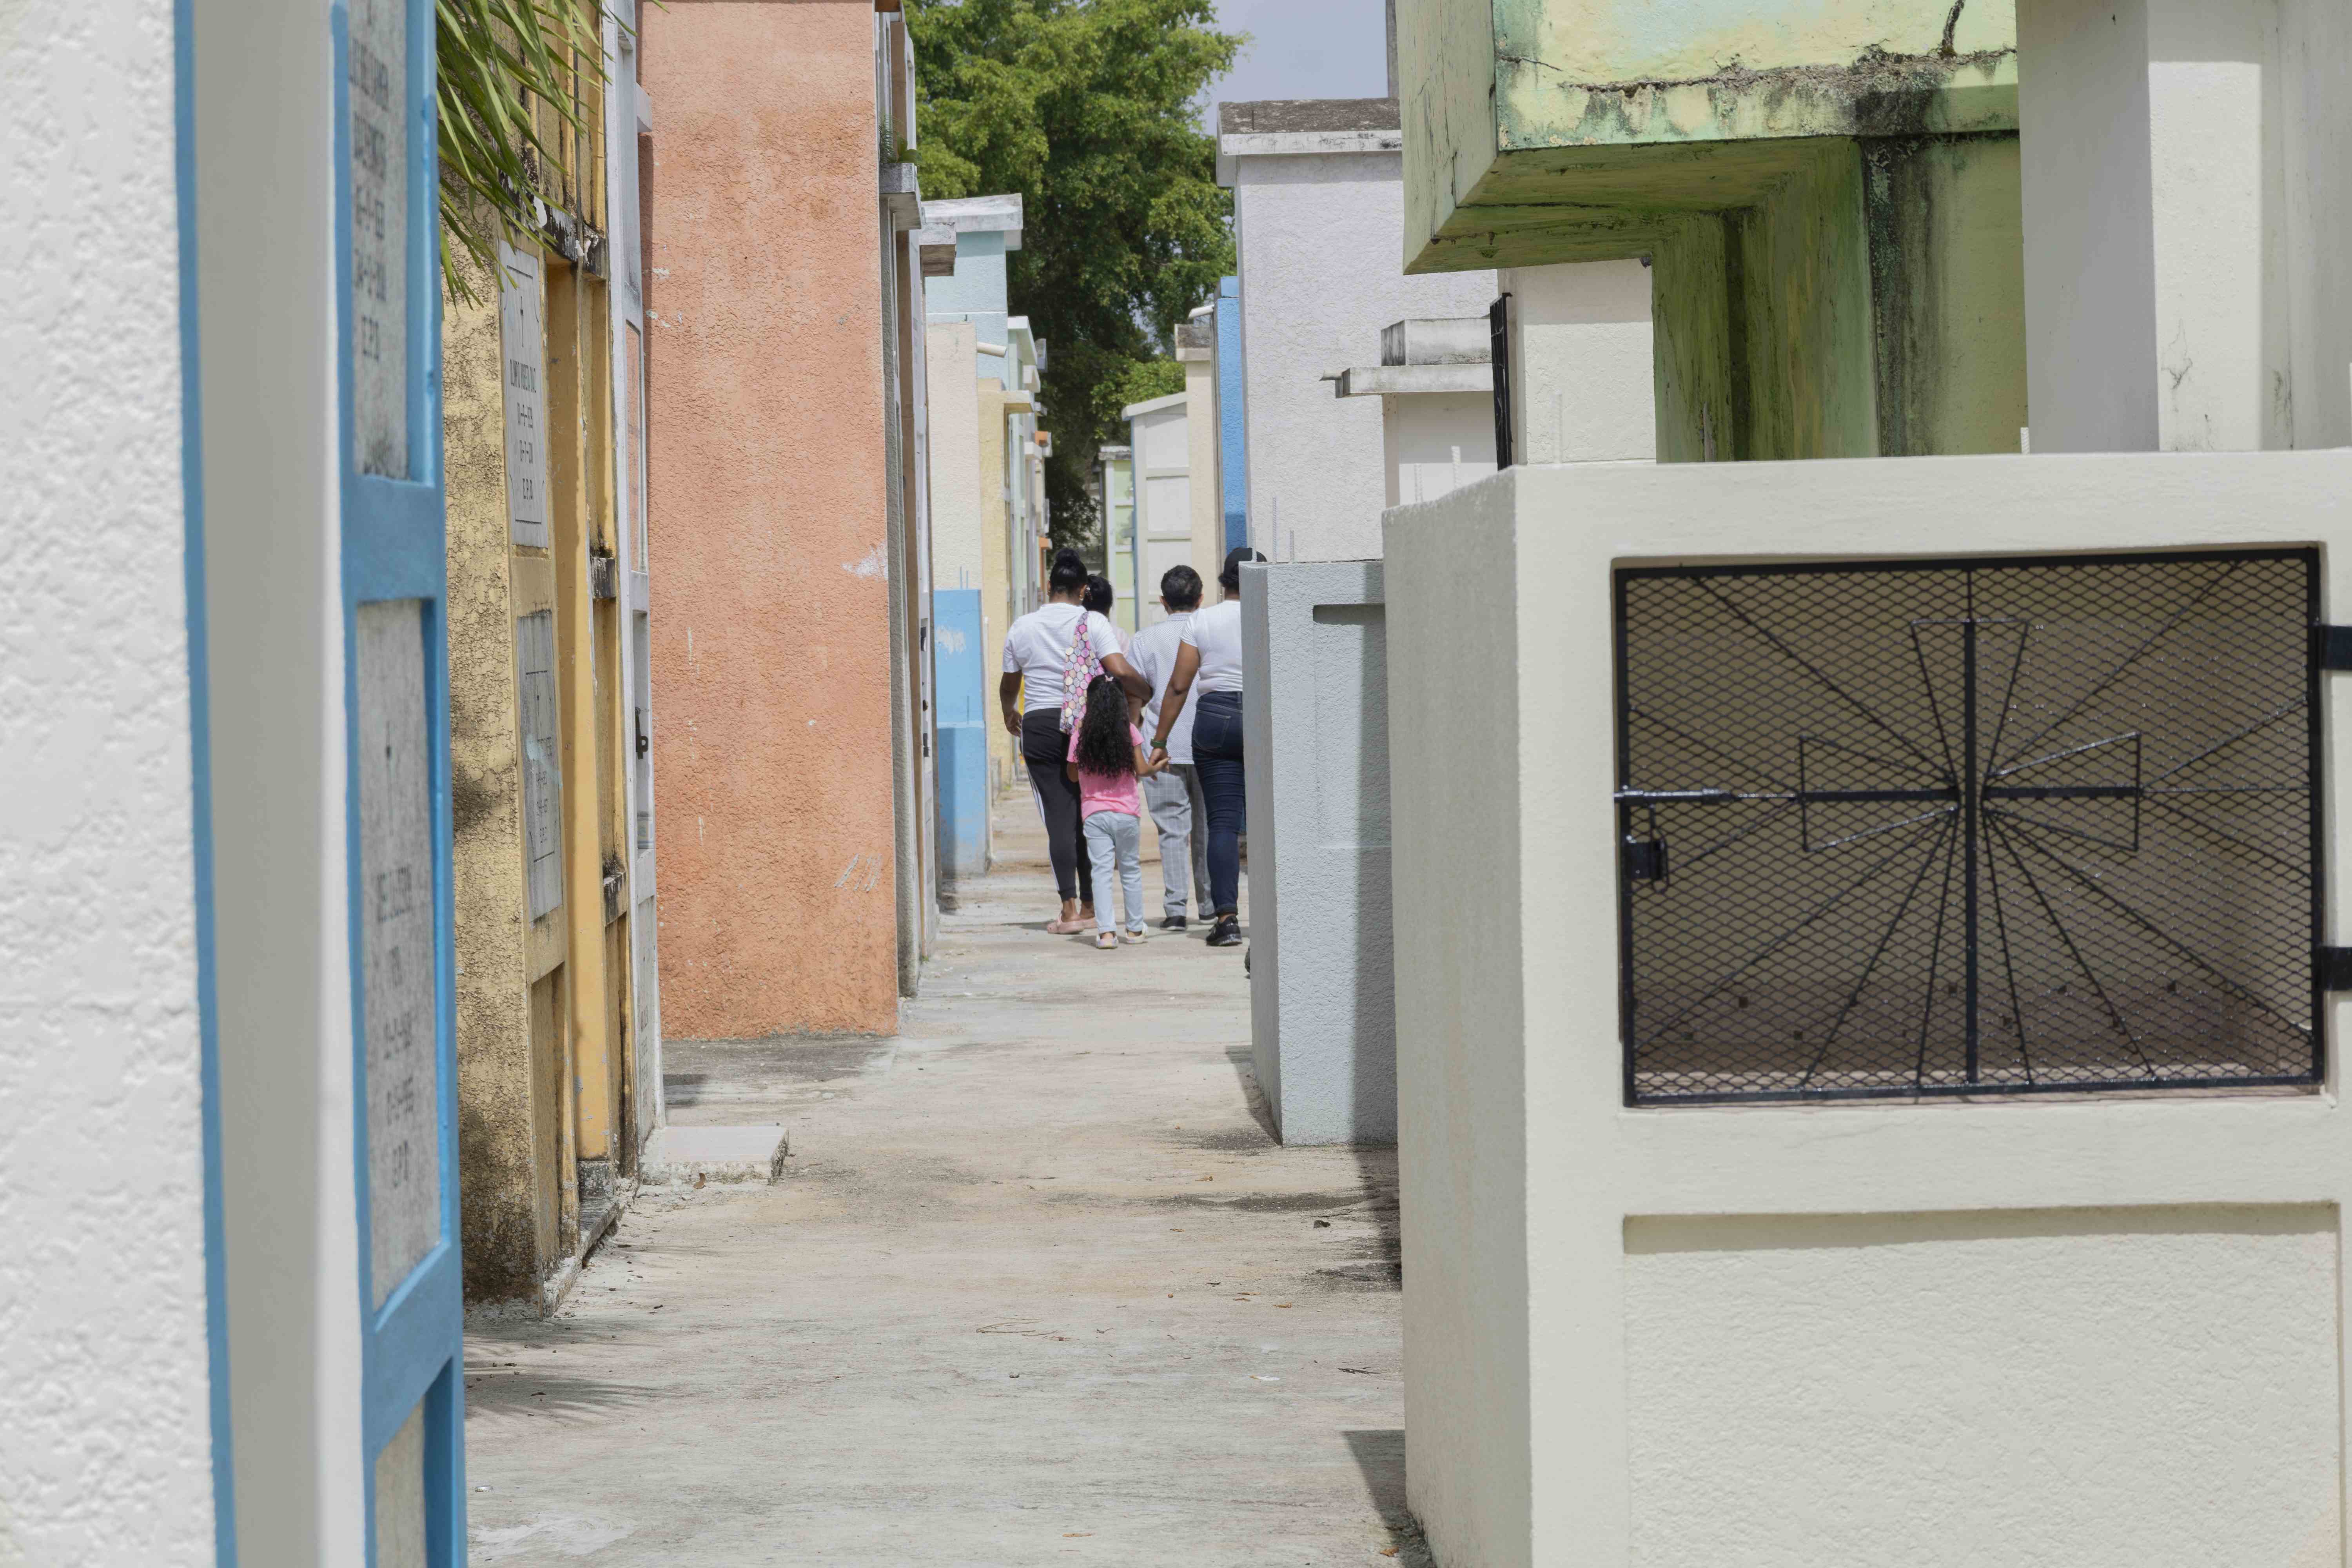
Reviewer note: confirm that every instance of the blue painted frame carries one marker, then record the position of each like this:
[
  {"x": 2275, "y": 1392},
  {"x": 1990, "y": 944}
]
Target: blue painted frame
[
  {"x": 393, "y": 547},
  {"x": 1232, "y": 426},
  {"x": 200, "y": 769}
]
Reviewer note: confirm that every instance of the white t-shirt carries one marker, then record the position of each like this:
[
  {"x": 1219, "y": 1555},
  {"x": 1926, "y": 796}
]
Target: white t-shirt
[
  {"x": 1153, "y": 651},
  {"x": 1217, "y": 633},
  {"x": 1038, "y": 646}
]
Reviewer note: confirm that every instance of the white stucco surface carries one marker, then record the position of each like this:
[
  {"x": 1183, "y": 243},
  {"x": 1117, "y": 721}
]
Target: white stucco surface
[
  {"x": 1161, "y": 433},
  {"x": 1436, "y": 442},
  {"x": 2121, "y": 1388},
  {"x": 1582, "y": 386},
  {"x": 1461, "y": 999},
  {"x": 105, "y": 1447},
  {"x": 1319, "y": 238},
  {"x": 1525, "y": 1178},
  {"x": 1205, "y": 485},
  {"x": 1322, "y": 1000},
  {"x": 2184, "y": 204},
  {"x": 950, "y": 354}
]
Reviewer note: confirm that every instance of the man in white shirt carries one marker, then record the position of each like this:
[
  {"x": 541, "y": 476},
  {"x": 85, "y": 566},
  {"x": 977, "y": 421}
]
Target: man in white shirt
[
  {"x": 1210, "y": 657},
  {"x": 1039, "y": 654},
  {"x": 1173, "y": 797}
]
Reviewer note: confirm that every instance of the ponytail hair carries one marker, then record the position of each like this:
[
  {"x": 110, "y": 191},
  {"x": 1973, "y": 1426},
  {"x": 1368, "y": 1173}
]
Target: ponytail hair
[{"x": 1069, "y": 572}]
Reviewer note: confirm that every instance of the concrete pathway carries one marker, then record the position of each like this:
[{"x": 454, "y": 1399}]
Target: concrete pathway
[{"x": 1036, "y": 1288}]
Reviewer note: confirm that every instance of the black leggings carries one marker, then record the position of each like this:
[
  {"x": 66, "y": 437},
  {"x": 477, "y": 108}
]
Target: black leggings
[{"x": 1047, "y": 749}]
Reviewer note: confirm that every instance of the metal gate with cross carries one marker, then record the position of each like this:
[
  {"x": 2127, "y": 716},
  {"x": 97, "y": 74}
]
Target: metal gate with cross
[{"x": 1969, "y": 828}]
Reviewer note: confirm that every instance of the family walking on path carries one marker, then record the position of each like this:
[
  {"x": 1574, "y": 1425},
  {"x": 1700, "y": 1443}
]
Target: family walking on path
[{"x": 1080, "y": 698}]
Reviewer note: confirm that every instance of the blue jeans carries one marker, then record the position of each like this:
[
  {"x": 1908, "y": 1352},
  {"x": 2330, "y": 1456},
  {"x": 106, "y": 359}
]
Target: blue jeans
[{"x": 1217, "y": 753}]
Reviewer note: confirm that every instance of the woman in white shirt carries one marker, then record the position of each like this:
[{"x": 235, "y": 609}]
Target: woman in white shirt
[
  {"x": 1210, "y": 659},
  {"x": 1037, "y": 658}
]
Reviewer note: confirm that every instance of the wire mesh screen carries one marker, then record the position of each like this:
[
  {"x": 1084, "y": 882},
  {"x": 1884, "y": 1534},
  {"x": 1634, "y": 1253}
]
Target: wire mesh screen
[{"x": 1990, "y": 826}]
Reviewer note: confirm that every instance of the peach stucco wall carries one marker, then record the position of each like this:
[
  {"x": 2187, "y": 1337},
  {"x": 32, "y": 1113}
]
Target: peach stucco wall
[{"x": 772, "y": 649}]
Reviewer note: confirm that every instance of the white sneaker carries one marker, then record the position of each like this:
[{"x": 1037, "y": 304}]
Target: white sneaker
[{"x": 1135, "y": 938}]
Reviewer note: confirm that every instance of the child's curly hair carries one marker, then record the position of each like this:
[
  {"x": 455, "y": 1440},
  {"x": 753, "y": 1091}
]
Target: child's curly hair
[{"x": 1105, "y": 746}]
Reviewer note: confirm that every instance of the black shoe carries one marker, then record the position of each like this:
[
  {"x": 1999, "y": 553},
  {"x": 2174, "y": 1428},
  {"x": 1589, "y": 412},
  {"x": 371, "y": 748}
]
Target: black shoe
[
  {"x": 1227, "y": 933},
  {"x": 1173, "y": 922}
]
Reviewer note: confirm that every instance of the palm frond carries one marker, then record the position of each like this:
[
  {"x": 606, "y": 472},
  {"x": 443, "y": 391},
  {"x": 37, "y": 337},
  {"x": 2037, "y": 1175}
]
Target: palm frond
[{"x": 508, "y": 87}]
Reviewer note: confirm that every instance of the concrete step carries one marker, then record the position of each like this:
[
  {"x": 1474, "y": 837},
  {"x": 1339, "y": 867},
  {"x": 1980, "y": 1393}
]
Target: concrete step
[{"x": 683, "y": 1156}]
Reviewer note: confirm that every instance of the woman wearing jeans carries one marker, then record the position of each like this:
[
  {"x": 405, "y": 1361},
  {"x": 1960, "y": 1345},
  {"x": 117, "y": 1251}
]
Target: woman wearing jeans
[
  {"x": 1038, "y": 656},
  {"x": 1210, "y": 657}
]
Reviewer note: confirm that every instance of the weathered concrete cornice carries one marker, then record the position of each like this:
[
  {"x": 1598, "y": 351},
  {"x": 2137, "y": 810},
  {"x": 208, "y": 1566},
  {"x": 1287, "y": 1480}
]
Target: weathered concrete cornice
[
  {"x": 1878, "y": 94},
  {"x": 935, "y": 247},
  {"x": 573, "y": 240},
  {"x": 1437, "y": 340},
  {"x": 1305, "y": 127},
  {"x": 1297, "y": 116},
  {"x": 978, "y": 214},
  {"x": 902, "y": 195},
  {"x": 1408, "y": 379}
]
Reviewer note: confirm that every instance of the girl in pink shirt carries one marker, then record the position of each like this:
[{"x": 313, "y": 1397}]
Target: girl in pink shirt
[{"x": 1106, "y": 760}]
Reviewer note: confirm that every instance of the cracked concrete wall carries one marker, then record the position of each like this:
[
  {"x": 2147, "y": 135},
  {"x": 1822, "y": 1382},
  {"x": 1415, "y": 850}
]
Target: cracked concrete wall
[{"x": 106, "y": 1455}]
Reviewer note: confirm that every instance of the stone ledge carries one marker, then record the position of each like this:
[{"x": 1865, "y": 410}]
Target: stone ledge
[{"x": 678, "y": 1156}]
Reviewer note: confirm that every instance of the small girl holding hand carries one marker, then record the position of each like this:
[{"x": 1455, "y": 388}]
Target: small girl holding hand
[{"x": 1107, "y": 759}]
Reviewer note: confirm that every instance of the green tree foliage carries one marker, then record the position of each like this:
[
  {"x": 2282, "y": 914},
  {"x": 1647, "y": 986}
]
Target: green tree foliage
[
  {"x": 1090, "y": 110},
  {"x": 1143, "y": 380}
]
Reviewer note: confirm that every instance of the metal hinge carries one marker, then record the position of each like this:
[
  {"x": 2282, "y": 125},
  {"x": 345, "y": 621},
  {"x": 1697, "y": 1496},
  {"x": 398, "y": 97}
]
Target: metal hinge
[
  {"x": 1645, "y": 859},
  {"x": 603, "y": 577},
  {"x": 2331, "y": 647},
  {"x": 2333, "y": 970}
]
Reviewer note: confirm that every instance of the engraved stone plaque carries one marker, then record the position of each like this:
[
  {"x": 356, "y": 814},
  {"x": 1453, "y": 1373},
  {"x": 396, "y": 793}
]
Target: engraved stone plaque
[
  {"x": 394, "y": 772},
  {"x": 378, "y": 315},
  {"x": 523, "y": 340},
  {"x": 400, "y": 1514},
  {"x": 542, "y": 774}
]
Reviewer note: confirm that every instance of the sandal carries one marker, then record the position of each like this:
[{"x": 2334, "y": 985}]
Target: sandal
[
  {"x": 1066, "y": 927},
  {"x": 1106, "y": 939},
  {"x": 1135, "y": 938}
]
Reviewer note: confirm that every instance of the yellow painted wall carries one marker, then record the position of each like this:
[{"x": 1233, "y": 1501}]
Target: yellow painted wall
[{"x": 508, "y": 1119}]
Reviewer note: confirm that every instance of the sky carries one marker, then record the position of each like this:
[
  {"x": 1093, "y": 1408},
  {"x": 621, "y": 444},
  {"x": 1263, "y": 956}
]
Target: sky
[{"x": 1305, "y": 48}]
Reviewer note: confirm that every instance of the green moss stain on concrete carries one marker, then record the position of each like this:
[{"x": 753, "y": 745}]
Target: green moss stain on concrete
[
  {"x": 1619, "y": 40},
  {"x": 1763, "y": 320},
  {"x": 1701, "y": 399},
  {"x": 1874, "y": 94},
  {"x": 1484, "y": 82},
  {"x": 1445, "y": 79},
  {"x": 1948, "y": 283},
  {"x": 1804, "y": 284},
  {"x": 1827, "y": 190}
]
